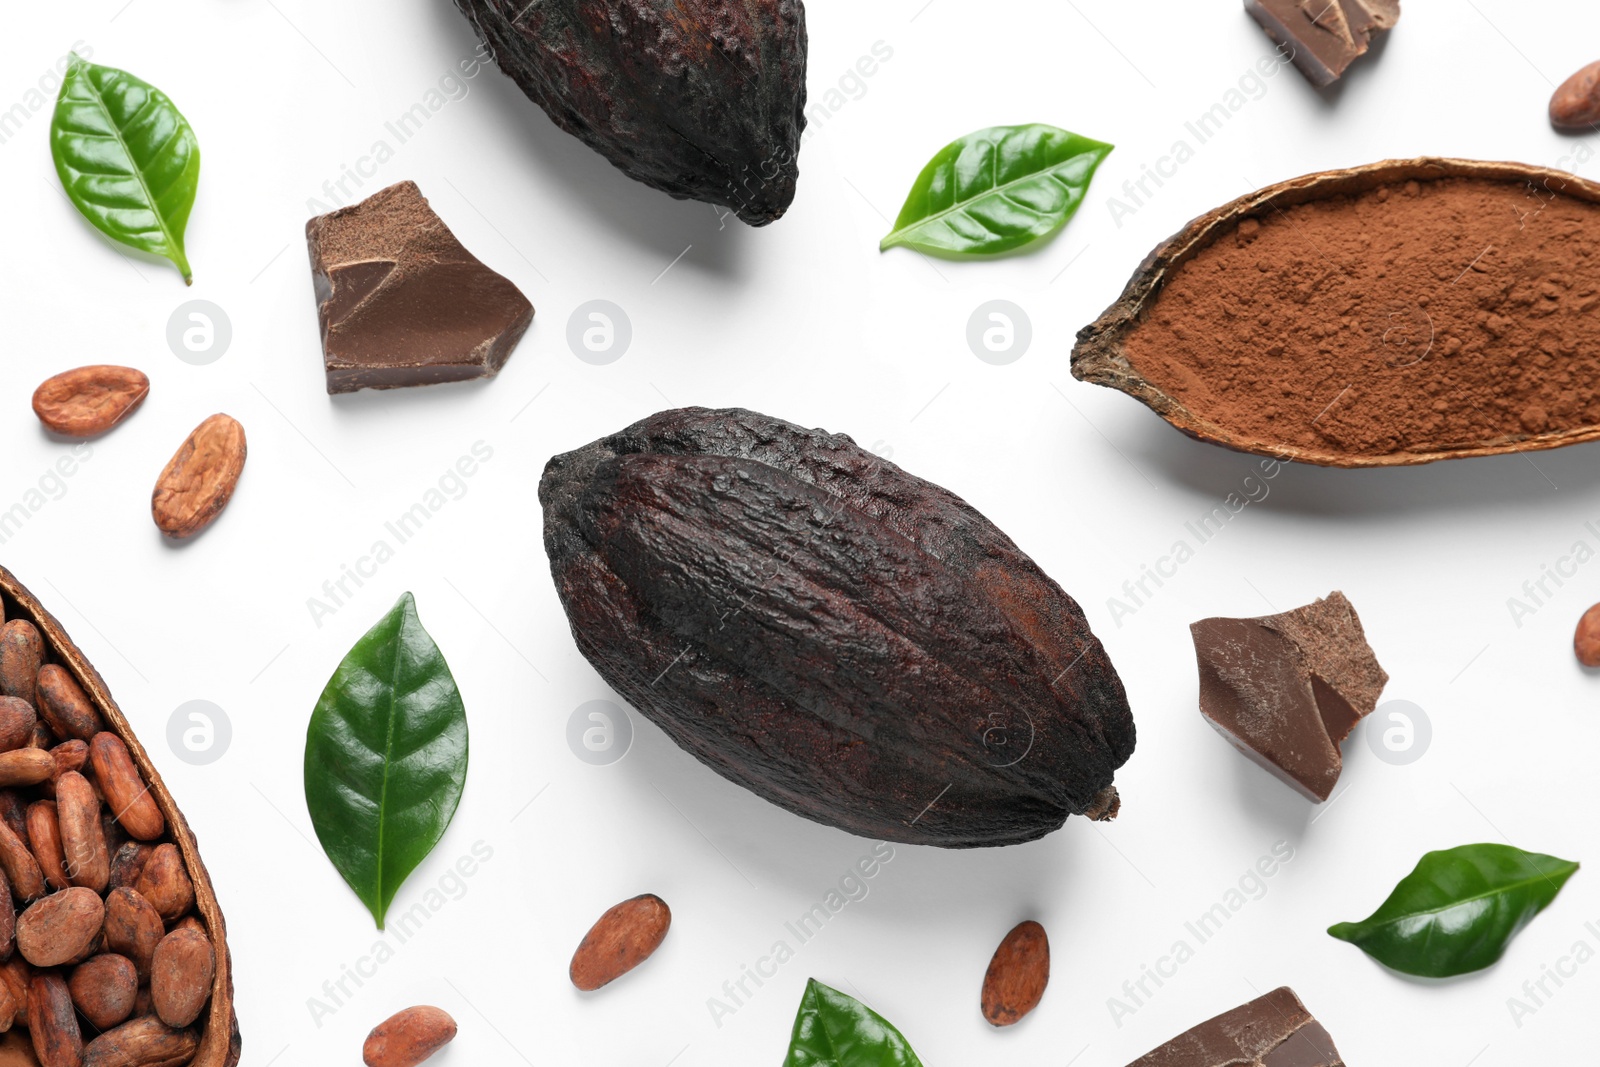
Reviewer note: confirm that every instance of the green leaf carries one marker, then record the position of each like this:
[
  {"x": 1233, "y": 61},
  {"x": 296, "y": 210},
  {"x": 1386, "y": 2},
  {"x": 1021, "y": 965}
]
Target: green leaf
[
  {"x": 836, "y": 1030},
  {"x": 127, "y": 159},
  {"x": 1458, "y": 910},
  {"x": 996, "y": 190},
  {"x": 386, "y": 757}
]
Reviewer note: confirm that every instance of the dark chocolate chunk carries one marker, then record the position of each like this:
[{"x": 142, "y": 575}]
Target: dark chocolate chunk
[
  {"x": 1271, "y": 1031},
  {"x": 1324, "y": 36},
  {"x": 402, "y": 303},
  {"x": 1287, "y": 689}
]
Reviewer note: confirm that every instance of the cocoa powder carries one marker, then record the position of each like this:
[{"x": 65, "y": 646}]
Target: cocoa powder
[{"x": 1419, "y": 316}]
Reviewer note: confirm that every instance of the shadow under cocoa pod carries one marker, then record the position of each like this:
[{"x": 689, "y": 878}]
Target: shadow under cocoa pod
[
  {"x": 217, "y": 1026},
  {"x": 1363, "y": 350}
]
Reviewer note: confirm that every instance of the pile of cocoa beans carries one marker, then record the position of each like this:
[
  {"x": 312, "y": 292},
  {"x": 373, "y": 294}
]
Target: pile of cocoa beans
[{"x": 104, "y": 961}]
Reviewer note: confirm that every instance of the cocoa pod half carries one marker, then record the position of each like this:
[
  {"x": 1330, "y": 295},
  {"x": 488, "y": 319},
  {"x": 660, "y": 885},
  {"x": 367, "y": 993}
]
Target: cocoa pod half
[
  {"x": 701, "y": 99},
  {"x": 850, "y": 642}
]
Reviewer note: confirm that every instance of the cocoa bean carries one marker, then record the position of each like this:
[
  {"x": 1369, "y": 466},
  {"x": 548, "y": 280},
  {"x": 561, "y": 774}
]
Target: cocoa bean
[
  {"x": 103, "y": 988},
  {"x": 848, "y": 641},
  {"x": 62, "y": 928},
  {"x": 44, "y": 841},
  {"x": 133, "y": 928},
  {"x": 21, "y": 653},
  {"x": 624, "y": 937},
  {"x": 144, "y": 1042},
  {"x": 165, "y": 883},
  {"x": 128, "y": 863},
  {"x": 180, "y": 976},
  {"x": 14, "y": 812},
  {"x": 17, "y": 719},
  {"x": 64, "y": 705},
  {"x": 8, "y": 926},
  {"x": 25, "y": 766},
  {"x": 1575, "y": 105},
  {"x": 69, "y": 756},
  {"x": 83, "y": 843},
  {"x": 8, "y": 1008},
  {"x": 125, "y": 791},
  {"x": 409, "y": 1037},
  {"x": 199, "y": 479},
  {"x": 52, "y": 1022},
  {"x": 87, "y": 401},
  {"x": 1017, "y": 975},
  {"x": 22, "y": 870},
  {"x": 15, "y": 975}
]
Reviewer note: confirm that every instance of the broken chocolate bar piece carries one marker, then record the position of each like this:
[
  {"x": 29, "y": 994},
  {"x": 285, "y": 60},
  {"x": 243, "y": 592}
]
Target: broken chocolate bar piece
[
  {"x": 1271, "y": 1031},
  {"x": 402, "y": 303},
  {"x": 1323, "y": 37},
  {"x": 1287, "y": 689}
]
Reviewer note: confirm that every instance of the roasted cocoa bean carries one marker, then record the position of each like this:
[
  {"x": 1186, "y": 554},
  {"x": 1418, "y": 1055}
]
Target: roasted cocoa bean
[
  {"x": 25, "y": 766},
  {"x": 144, "y": 1042},
  {"x": 64, "y": 705},
  {"x": 22, "y": 870},
  {"x": 180, "y": 976},
  {"x": 14, "y": 812},
  {"x": 15, "y": 975},
  {"x": 1017, "y": 975},
  {"x": 133, "y": 928},
  {"x": 165, "y": 883},
  {"x": 409, "y": 1037},
  {"x": 199, "y": 479},
  {"x": 848, "y": 641},
  {"x": 83, "y": 843},
  {"x": 17, "y": 720},
  {"x": 624, "y": 937},
  {"x": 52, "y": 1022},
  {"x": 8, "y": 926},
  {"x": 21, "y": 653},
  {"x": 62, "y": 928},
  {"x": 69, "y": 756},
  {"x": 123, "y": 787},
  {"x": 1575, "y": 105},
  {"x": 44, "y": 841},
  {"x": 103, "y": 988},
  {"x": 128, "y": 863},
  {"x": 88, "y": 401}
]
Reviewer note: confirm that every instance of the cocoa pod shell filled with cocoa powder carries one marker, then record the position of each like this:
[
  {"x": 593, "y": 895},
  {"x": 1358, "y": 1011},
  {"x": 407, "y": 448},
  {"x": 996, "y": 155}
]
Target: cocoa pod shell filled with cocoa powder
[
  {"x": 846, "y": 640},
  {"x": 1396, "y": 313}
]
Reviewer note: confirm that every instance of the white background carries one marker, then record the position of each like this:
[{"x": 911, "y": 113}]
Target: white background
[{"x": 807, "y": 321}]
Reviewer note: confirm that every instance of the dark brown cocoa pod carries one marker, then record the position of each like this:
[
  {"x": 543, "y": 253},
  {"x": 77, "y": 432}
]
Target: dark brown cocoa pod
[
  {"x": 701, "y": 99},
  {"x": 848, "y": 641}
]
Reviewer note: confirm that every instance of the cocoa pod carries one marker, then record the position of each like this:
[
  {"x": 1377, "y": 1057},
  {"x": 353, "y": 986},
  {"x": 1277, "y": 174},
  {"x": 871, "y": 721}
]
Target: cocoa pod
[
  {"x": 87, "y": 401},
  {"x": 64, "y": 705},
  {"x": 181, "y": 972},
  {"x": 848, "y": 641},
  {"x": 624, "y": 937},
  {"x": 17, "y": 720},
  {"x": 125, "y": 791},
  {"x": 21, "y": 653},
  {"x": 702, "y": 100},
  {"x": 25, "y": 766},
  {"x": 128, "y": 863},
  {"x": 165, "y": 883},
  {"x": 62, "y": 928},
  {"x": 133, "y": 928},
  {"x": 409, "y": 1037},
  {"x": 21, "y": 868},
  {"x": 1017, "y": 975},
  {"x": 44, "y": 841},
  {"x": 52, "y": 1023},
  {"x": 104, "y": 988},
  {"x": 144, "y": 1042},
  {"x": 83, "y": 843},
  {"x": 199, "y": 479}
]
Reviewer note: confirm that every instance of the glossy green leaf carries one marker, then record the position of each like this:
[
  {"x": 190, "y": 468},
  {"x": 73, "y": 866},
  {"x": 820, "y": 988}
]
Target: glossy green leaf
[
  {"x": 836, "y": 1030},
  {"x": 386, "y": 757},
  {"x": 1458, "y": 910},
  {"x": 127, "y": 159},
  {"x": 996, "y": 190}
]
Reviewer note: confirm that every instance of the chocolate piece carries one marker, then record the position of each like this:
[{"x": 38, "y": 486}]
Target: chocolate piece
[
  {"x": 1271, "y": 1031},
  {"x": 1287, "y": 689},
  {"x": 402, "y": 303},
  {"x": 1325, "y": 36}
]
